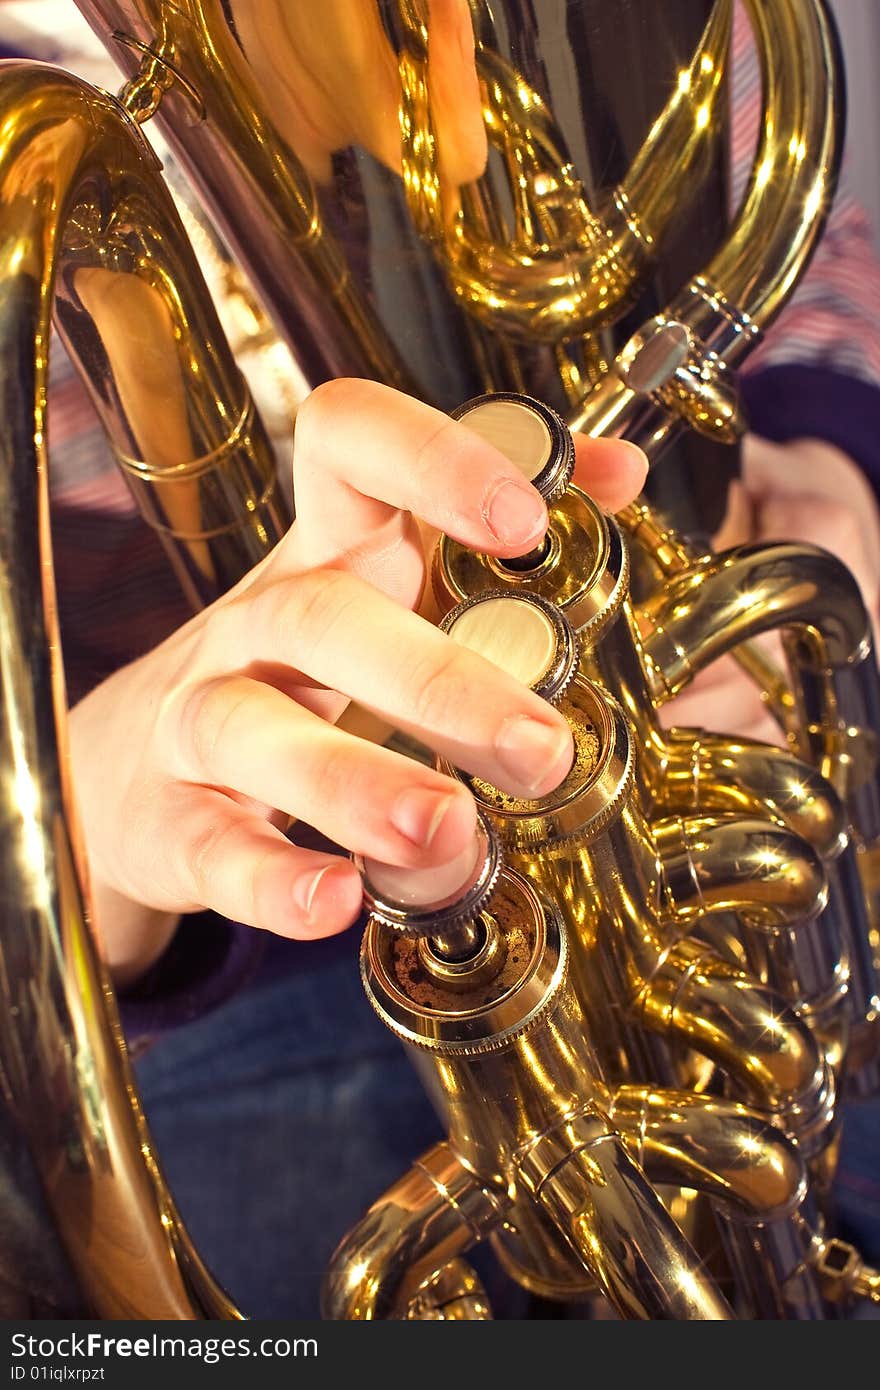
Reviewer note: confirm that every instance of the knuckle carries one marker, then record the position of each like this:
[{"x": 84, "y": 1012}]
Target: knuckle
[
  {"x": 305, "y": 616},
  {"x": 437, "y": 690},
  {"x": 321, "y": 409},
  {"x": 206, "y": 851},
  {"x": 209, "y": 723}
]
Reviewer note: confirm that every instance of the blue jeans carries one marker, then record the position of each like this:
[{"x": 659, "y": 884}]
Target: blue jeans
[{"x": 280, "y": 1116}]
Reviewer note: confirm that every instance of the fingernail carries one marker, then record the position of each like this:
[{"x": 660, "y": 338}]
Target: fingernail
[
  {"x": 418, "y": 814},
  {"x": 420, "y": 887},
  {"x": 515, "y": 513},
  {"x": 306, "y": 887},
  {"x": 533, "y": 753}
]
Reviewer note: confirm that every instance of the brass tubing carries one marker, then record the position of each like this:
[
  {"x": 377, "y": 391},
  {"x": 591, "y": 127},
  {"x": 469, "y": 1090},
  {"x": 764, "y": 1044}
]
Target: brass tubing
[
  {"x": 754, "y": 1177},
  {"x": 729, "y": 305},
  {"x": 733, "y": 1155},
  {"x": 767, "y": 1052},
  {"x": 775, "y": 883},
  {"x": 769, "y": 876},
  {"x": 456, "y": 1294},
  {"x": 101, "y": 236},
  {"x": 581, "y": 1175},
  {"x": 591, "y": 849},
  {"x": 863, "y": 994},
  {"x": 428, "y": 1218},
  {"x": 512, "y": 1071},
  {"x": 839, "y": 711},
  {"x": 234, "y": 149},
  {"x": 669, "y": 554},
  {"x": 705, "y": 773},
  {"x": 700, "y": 771},
  {"x": 773, "y": 1268},
  {"x": 565, "y": 271},
  {"x": 66, "y": 1079},
  {"x": 792, "y": 183},
  {"x": 723, "y": 600}
]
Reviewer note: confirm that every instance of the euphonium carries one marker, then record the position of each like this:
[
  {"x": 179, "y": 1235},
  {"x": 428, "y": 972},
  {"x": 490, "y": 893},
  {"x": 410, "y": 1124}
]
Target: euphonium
[{"x": 670, "y": 980}]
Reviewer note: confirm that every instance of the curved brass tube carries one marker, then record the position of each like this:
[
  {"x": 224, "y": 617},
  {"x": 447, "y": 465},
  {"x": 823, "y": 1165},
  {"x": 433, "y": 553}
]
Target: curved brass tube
[
  {"x": 766, "y": 874},
  {"x": 87, "y": 222},
  {"x": 751, "y": 277},
  {"x": 733, "y": 1155},
  {"x": 428, "y": 1218},
  {"x": 767, "y": 1052},
  {"x": 755, "y": 1179},
  {"x": 239, "y": 157},
  {"x": 719, "y": 316},
  {"x": 668, "y": 553},
  {"x": 564, "y": 270},
  {"x": 723, "y": 600},
  {"x": 705, "y": 773},
  {"x": 775, "y": 884},
  {"x": 692, "y": 770},
  {"x": 73, "y": 171}
]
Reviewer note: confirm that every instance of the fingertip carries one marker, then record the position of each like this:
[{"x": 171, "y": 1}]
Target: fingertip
[{"x": 612, "y": 471}]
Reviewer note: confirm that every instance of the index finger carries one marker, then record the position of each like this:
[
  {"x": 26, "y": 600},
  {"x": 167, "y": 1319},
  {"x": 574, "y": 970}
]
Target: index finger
[{"x": 364, "y": 452}]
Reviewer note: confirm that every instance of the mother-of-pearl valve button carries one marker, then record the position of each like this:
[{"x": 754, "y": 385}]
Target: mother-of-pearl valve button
[
  {"x": 521, "y": 640},
  {"x": 528, "y": 433},
  {"x": 522, "y": 633}
]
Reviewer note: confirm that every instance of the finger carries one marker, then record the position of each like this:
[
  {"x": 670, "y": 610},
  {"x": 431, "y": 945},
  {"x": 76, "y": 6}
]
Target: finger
[
  {"x": 612, "y": 471},
  {"x": 363, "y": 451},
  {"x": 347, "y": 635},
  {"x": 738, "y": 524},
  {"x": 724, "y": 700},
  {"x": 834, "y": 526},
  {"x": 242, "y": 734},
  {"x": 229, "y": 861}
]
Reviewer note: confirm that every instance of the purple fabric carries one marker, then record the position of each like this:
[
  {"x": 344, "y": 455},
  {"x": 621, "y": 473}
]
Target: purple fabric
[
  {"x": 799, "y": 402},
  {"x": 208, "y": 960}
]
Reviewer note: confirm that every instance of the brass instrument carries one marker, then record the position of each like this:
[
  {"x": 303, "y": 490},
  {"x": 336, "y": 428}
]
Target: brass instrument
[{"x": 696, "y": 984}]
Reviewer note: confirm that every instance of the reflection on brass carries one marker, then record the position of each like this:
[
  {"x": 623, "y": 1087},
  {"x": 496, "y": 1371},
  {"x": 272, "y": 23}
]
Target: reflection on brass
[
  {"x": 84, "y": 213},
  {"x": 649, "y": 1016}
]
